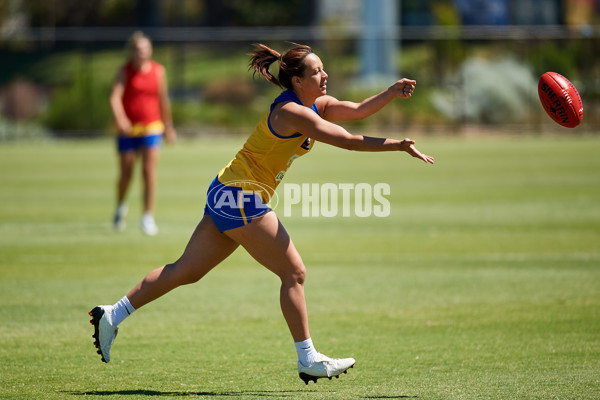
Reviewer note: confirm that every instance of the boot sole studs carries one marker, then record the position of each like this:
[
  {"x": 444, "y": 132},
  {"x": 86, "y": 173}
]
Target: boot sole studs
[
  {"x": 96, "y": 314},
  {"x": 307, "y": 378}
]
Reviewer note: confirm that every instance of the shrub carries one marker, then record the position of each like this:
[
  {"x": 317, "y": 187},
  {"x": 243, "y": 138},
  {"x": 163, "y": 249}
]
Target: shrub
[{"x": 489, "y": 91}]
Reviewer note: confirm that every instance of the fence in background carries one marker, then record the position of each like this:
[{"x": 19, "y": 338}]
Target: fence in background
[{"x": 541, "y": 48}]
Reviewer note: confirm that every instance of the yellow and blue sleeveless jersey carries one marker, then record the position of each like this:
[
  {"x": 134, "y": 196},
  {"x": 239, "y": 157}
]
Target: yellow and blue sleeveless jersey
[{"x": 266, "y": 155}]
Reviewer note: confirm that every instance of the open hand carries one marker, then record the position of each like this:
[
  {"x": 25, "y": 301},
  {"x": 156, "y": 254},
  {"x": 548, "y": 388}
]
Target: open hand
[{"x": 408, "y": 145}]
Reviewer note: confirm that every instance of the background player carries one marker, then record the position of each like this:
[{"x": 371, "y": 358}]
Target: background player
[{"x": 140, "y": 105}]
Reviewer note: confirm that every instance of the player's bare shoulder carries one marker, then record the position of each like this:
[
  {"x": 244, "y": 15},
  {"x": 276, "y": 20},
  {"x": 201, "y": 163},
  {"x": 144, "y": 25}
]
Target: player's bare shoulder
[{"x": 325, "y": 101}]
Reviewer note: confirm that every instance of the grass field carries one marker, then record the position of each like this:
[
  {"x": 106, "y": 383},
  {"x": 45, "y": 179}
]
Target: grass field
[{"x": 483, "y": 283}]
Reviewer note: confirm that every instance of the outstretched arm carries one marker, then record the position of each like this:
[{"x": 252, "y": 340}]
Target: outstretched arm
[
  {"x": 297, "y": 118},
  {"x": 333, "y": 109}
]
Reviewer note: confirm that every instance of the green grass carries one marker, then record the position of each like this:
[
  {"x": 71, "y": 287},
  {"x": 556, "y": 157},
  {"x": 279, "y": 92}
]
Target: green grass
[{"x": 483, "y": 283}]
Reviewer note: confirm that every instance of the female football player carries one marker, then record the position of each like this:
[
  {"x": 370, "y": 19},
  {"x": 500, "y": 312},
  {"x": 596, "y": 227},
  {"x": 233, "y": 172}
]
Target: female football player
[
  {"x": 298, "y": 117},
  {"x": 142, "y": 111}
]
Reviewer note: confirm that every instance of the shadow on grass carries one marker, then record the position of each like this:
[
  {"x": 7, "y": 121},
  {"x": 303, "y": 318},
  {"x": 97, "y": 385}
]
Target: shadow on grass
[
  {"x": 256, "y": 393},
  {"x": 151, "y": 393},
  {"x": 390, "y": 397}
]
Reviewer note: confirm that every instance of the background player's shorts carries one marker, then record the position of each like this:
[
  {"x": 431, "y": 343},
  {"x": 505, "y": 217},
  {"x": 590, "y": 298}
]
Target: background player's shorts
[
  {"x": 134, "y": 143},
  {"x": 231, "y": 207}
]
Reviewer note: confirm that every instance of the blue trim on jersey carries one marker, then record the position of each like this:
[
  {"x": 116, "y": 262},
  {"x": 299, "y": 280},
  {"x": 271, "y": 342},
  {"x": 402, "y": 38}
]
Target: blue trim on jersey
[{"x": 287, "y": 95}]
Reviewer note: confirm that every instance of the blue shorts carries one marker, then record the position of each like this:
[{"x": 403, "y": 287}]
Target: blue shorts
[
  {"x": 134, "y": 143},
  {"x": 231, "y": 207}
]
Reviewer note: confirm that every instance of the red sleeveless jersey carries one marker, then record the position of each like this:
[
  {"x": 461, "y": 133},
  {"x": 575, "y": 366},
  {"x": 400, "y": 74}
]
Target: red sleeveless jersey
[{"x": 141, "y": 99}]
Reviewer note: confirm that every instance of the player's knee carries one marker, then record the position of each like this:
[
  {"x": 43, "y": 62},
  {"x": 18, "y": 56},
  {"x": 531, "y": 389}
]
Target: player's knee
[
  {"x": 147, "y": 172},
  {"x": 183, "y": 275},
  {"x": 126, "y": 174},
  {"x": 297, "y": 274}
]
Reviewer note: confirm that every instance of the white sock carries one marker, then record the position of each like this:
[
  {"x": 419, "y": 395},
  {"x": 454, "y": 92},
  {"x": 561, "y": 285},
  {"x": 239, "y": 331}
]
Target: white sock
[
  {"x": 122, "y": 209},
  {"x": 121, "y": 310},
  {"x": 307, "y": 354}
]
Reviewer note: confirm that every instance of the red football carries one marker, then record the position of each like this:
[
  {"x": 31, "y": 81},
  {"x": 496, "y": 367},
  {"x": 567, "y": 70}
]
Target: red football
[{"x": 560, "y": 99}]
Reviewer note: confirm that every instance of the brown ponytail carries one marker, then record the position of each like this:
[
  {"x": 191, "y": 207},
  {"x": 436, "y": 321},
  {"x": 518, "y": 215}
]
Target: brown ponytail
[{"x": 290, "y": 64}]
